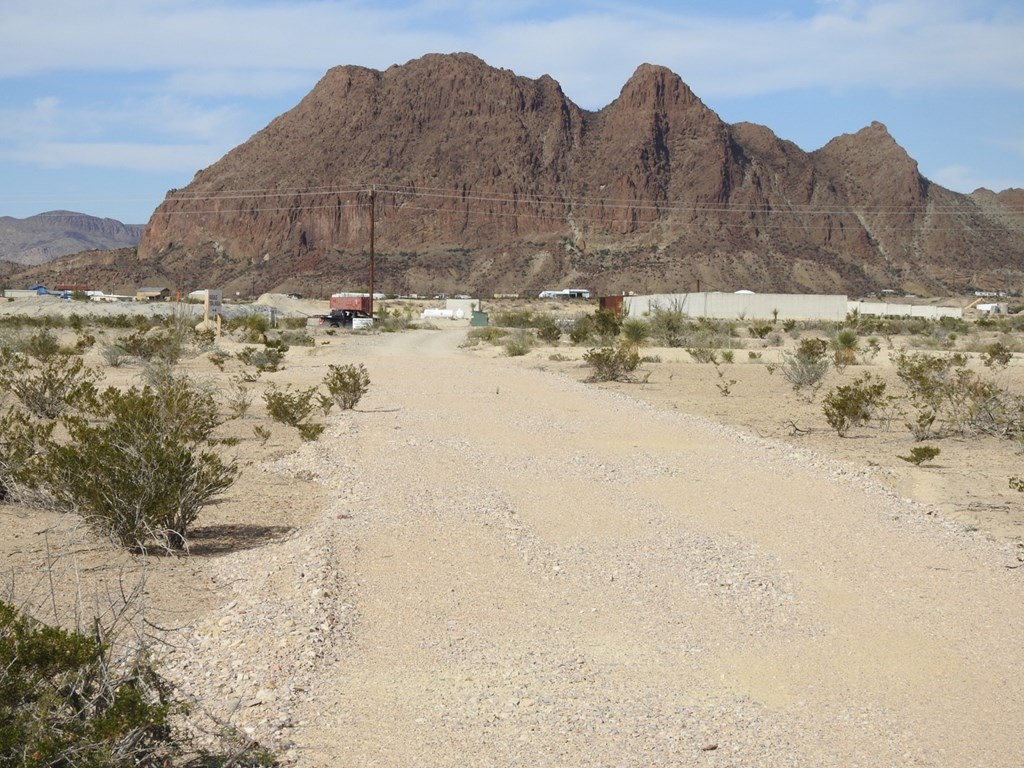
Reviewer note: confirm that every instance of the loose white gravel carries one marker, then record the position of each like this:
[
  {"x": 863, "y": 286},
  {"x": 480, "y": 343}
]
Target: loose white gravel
[{"x": 516, "y": 569}]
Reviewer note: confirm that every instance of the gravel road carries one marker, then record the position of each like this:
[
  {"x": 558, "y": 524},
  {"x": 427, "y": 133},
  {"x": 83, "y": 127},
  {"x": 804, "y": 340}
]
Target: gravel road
[{"x": 516, "y": 569}]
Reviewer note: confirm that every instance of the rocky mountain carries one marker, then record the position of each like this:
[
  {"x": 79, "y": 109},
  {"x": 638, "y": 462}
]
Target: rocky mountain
[
  {"x": 485, "y": 181},
  {"x": 47, "y": 236}
]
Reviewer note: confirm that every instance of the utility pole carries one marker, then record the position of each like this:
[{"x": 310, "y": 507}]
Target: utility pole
[{"x": 373, "y": 206}]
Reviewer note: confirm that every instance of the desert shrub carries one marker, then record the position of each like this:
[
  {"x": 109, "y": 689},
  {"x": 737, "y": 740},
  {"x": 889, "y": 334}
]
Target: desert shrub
[
  {"x": 607, "y": 324},
  {"x": 669, "y": 325},
  {"x": 393, "y": 321},
  {"x": 488, "y": 334},
  {"x": 250, "y": 327},
  {"x": 948, "y": 398},
  {"x": 1017, "y": 484},
  {"x": 264, "y": 359},
  {"x": 218, "y": 357},
  {"x": 114, "y": 355},
  {"x": 807, "y": 365},
  {"x": 728, "y": 355},
  {"x": 291, "y": 407},
  {"x": 703, "y": 354},
  {"x": 852, "y": 405},
  {"x": 548, "y": 330},
  {"x": 635, "y": 331},
  {"x": 845, "y": 346},
  {"x": 615, "y": 363},
  {"x": 919, "y": 454},
  {"x": 309, "y": 430},
  {"x": 760, "y": 330},
  {"x": 347, "y": 384},
  {"x": 137, "y": 468},
  {"x": 41, "y": 345},
  {"x": 63, "y": 703},
  {"x": 521, "y": 318},
  {"x": 157, "y": 343},
  {"x": 724, "y": 384},
  {"x": 69, "y": 699},
  {"x": 601, "y": 326},
  {"x": 262, "y": 433},
  {"x": 47, "y": 388},
  {"x": 238, "y": 398},
  {"x": 298, "y": 339},
  {"x": 293, "y": 323},
  {"x": 518, "y": 343},
  {"x": 997, "y": 355},
  {"x": 21, "y": 441},
  {"x": 582, "y": 331}
]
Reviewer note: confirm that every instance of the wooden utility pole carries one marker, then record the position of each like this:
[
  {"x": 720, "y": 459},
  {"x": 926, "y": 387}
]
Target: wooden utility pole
[{"x": 373, "y": 206}]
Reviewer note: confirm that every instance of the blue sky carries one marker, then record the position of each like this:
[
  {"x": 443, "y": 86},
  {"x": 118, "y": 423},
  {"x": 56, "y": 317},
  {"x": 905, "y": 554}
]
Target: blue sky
[{"x": 106, "y": 105}]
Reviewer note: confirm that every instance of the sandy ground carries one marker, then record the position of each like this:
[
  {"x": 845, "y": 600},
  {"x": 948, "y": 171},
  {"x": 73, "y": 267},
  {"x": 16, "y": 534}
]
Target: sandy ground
[{"x": 491, "y": 563}]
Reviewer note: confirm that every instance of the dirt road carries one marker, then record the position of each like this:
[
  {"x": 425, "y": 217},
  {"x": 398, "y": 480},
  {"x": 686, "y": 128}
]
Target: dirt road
[{"x": 538, "y": 572}]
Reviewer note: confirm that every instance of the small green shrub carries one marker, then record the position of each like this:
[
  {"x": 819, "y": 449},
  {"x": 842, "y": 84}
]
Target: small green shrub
[
  {"x": 263, "y": 359},
  {"x": 68, "y": 699},
  {"x": 21, "y": 441},
  {"x": 309, "y": 431},
  {"x": 724, "y": 385},
  {"x": 703, "y": 354},
  {"x": 251, "y": 328},
  {"x": 760, "y": 330},
  {"x": 291, "y": 407},
  {"x": 852, "y": 405},
  {"x": 262, "y": 433},
  {"x": 845, "y": 346},
  {"x": 218, "y": 357},
  {"x": 154, "y": 344},
  {"x": 635, "y": 331},
  {"x": 807, "y": 366},
  {"x": 47, "y": 388},
  {"x": 920, "y": 454},
  {"x": 517, "y": 345},
  {"x": 347, "y": 384},
  {"x": 997, "y": 355},
  {"x": 548, "y": 331},
  {"x": 669, "y": 325},
  {"x": 238, "y": 398},
  {"x": 298, "y": 339},
  {"x": 42, "y": 345},
  {"x": 488, "y": 334},
  {"x": 139, "y": 469},
  {"x": 616, "y": 363},
  {"x": 62, "y": 705},
  {"x": 114, "y": 355}
]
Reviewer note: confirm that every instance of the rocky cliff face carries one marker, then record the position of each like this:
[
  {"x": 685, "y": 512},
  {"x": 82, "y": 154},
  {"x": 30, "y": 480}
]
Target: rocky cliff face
[
  {"x": 486, "y": 181},
  {"x": 47, "y": 236}
]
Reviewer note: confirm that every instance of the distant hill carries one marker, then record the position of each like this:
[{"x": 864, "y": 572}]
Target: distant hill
[
  {"x": 47, "y": 236},
  {"x": 484, "y": 181}
]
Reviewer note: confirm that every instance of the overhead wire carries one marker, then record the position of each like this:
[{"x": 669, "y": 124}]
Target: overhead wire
[{"x": 579, "y": 207}]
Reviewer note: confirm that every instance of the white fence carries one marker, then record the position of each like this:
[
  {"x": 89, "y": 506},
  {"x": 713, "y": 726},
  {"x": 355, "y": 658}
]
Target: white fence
[
  {"x": 742, "y": 306},
  {"x": 892, "y": 309},
  {"x": 782, "y": 306}
]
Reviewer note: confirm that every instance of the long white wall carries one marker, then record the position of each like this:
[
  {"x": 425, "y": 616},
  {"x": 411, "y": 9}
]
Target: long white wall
[
  {"x": 891, "y": 309},
  {"x": 745, "y": 306}
]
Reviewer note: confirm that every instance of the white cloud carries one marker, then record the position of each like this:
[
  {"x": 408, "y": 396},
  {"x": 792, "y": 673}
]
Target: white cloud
[{"x": 898, "y": 43}]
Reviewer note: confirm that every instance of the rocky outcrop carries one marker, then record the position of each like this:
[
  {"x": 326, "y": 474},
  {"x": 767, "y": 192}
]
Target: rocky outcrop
[{"x": 486, "y": 181}]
